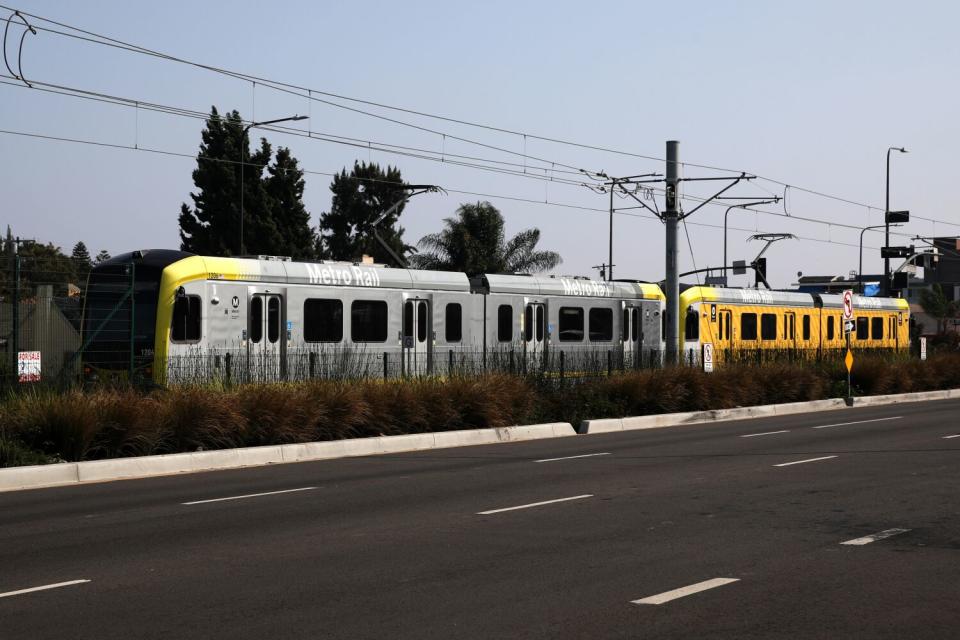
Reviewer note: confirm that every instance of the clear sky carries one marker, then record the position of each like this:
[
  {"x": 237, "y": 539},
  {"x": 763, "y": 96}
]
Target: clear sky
[{"x": 809, "y": 93}]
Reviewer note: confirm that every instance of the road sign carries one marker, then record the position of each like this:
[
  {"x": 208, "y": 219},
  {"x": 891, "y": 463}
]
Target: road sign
[
  {"x": 708, "y": 356},
  {"x": 848, "y": 305},
  {"x": 848, "y": 326},
  {"x": 923, "y": 348},
  {"x": 28, "y": 366},
  {"x": 897, "y": 217},
  {"x": 849, "y": 361}
]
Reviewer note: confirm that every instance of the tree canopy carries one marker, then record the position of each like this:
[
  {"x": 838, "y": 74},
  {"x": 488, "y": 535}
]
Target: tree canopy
[
  {"x": 935, "y": 303},
  {"x": 359, "y": 198},
  {"x": 275, "y": 221},
  {"x": 474, "y": 242}
]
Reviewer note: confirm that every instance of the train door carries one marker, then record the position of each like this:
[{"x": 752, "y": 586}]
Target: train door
[
  {"x": 724, "y": 327},
  {"x": 267, "y": 340},
  {"x": 417, "y": 337},
  {"x": 631, "y": 335},
  {"x": 534, "y": 333},
  {"x": 790, "y": 329}
]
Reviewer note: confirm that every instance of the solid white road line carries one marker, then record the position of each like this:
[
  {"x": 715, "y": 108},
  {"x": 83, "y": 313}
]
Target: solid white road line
[
  {"x": 249, "y": 495},
  {"x": 43, "y": 588},
  {"x": 534, "y": 504},
  {"x": 843, "y": 424},
  {"x": 787, "y": 464},
  {"x": 585, "y": 455},
  {"x": 685, "y": 591},
  {"x": 765, "y": 433},
  {"x": 953, "y": 436},
  {"x": 877, "y": 536}
]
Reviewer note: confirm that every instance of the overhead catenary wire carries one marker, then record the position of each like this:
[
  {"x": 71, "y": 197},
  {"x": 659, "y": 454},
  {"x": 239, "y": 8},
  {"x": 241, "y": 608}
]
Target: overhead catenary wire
[
  {"x": 99, "y": 39},
  {"x": 401, "y": 150},
  {"x": 479, "y": 194}
]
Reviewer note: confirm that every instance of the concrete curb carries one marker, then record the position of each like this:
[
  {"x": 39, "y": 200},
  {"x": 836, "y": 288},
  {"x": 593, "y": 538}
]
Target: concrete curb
[
  {"x": 610, "y": 425},
  {"x": 55, "y": 475}
]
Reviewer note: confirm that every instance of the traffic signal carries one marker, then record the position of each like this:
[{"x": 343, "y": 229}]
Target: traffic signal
[
  {"x": 897, "y": 217},
  {"x": 900, "y": 280},
  {"x": 896, "y": 252}
]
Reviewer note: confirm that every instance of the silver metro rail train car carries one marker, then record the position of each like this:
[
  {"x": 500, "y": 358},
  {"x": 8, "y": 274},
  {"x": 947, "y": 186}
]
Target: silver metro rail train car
[{"x": 171, "y": 317}]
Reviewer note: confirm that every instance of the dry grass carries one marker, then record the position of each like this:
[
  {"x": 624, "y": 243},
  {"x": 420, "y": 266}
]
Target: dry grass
[{"x": 75, "y": 425}]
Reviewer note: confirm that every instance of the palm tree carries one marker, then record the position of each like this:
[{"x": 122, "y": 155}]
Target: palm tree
[{"x": 474, "y": 242}]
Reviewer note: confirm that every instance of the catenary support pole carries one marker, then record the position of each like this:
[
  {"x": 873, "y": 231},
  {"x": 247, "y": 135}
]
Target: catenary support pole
[
  {"x": 610, "y": 253},
  {"x": 671, "y": 217}
]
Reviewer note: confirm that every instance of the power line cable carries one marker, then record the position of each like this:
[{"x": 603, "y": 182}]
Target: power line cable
[
  {"x": 513, "y": 198},
  {"x": 95, "y": 38}
]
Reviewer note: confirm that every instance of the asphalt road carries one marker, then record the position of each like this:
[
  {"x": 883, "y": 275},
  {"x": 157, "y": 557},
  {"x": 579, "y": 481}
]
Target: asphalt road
[{"x": 430, "y": 545}]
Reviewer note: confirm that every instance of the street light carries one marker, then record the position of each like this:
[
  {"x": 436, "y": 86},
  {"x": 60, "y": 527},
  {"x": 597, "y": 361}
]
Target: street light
[
  {"x": 243, "y": 137},
  {"x": 860, "y": 269},
  {"x": 886, "y": 212}
]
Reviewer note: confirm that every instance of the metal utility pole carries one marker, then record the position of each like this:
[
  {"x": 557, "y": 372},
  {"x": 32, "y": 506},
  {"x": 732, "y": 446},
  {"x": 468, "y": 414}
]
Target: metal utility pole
[
  {"x": 610, "y": 253},
  {"x": 885, "y": 289},
  {"x": 243, "y": 162},
  {"x": 613, "y": 185},
  {"x": 671, "y": 219},
  {"x": 860, "y": 268}
]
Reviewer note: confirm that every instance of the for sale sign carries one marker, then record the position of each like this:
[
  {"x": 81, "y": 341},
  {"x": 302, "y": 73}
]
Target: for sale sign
[{"x": 28, "y": 366}]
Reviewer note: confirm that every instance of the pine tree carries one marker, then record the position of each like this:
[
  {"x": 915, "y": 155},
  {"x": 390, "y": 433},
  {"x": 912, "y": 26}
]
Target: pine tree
[
  {"x": 358, "y": 200},
  {"x": 102, "y": 257},
  {"x": 212, "y": 225},
  {"x": 284, "y": 188},
  {"x": 81, "y": 263}
]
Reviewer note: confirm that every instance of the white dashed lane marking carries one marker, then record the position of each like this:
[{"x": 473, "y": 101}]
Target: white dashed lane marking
[
  {"x": 765, "y": 433},
  {"x": 585, "y": 455},
  {"x": 844, "y": 424},
  {"x": 787, "y": 464},
  {"x": 249, "y": 495},
  {"x": 534, "y": 504},
  {"x": 45, "y": 587},
  {"x": 877, "y": 536},
  {"x": 667, "y": 596}
]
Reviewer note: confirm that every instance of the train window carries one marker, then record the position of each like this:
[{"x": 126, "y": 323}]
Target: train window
[
  {"x": 541, "y": 322},
  {"x": 748, "y": 326},
  {"x": 528, "y": 323},
  {"x": 768, "y": 326},
  {"x": 273, "y": 319},
  {"x": 691, "y": 328},
  {"x": 806, "y": 327},
  {"x": 601, "y": 325},
  {"x": 830, "y": 328},
  {"x": 571, "y": 324},
  {"x": 187, "y": 311},
  {"x": 876, "y": 328},
  {"x": 625, "y": 327},
  {"x": 421, "y": 321},
  {"x": 322, "y": 320},
  {"x": 505, "y": 323},
  {"x": 408, "y": 319},
  {"x": 256, "y": 319},
  {"x": 454, "y": 322},
  {"x": 729, "y": 315},
  {"x": 635, "y": 329},
  {"x": 720, "y": 327},
  {"x": 368, "y": 321},
  {"x": 863, "y": 328}
]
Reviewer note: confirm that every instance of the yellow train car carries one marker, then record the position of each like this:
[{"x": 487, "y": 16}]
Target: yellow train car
[{"x": 738, "y": 320}]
